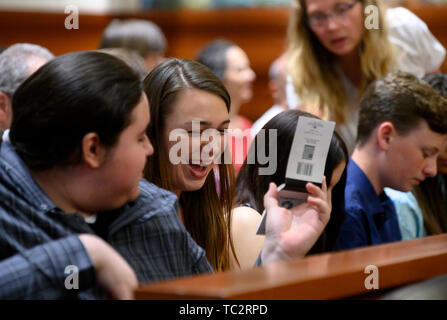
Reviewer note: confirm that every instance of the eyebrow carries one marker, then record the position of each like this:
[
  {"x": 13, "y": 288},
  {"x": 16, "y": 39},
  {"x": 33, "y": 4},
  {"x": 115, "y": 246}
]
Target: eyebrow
[
  {"x": 319, "y": 11},
  {"x": 145, "y": 128},
  {"x": 432, "y": 150},
  {"x": 207, "y": 123}
]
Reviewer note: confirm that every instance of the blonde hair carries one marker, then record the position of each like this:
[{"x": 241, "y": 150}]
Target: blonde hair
[{"x": 313, "y": 69}]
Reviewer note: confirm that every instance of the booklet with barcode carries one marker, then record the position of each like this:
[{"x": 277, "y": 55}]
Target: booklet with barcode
[{"x": 306, "y": 163}]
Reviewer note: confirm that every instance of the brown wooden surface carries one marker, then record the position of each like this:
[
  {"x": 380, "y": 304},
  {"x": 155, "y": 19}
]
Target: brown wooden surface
[
  {"x": 326, "y": 276},
  {"x": 260, "y": 32}
]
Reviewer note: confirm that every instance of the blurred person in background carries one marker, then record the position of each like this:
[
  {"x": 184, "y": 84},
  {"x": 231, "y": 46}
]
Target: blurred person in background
[
  {"x": 131, "y": 58},
  {"x": 277, "y": 86},
  {"x": 337, "y": 47},
  {"x": 17, "y": 63},
  {"x": 142, "y": 36},
  {"x": 231, "y": 65}
]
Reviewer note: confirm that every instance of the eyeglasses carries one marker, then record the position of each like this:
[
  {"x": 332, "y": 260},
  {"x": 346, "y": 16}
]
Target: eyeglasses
[{"x": 320, "y": 20}]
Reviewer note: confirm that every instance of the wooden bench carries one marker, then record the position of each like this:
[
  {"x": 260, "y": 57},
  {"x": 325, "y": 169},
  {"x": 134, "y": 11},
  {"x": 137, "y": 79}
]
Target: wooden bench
[{"x": 325, "y": 276}]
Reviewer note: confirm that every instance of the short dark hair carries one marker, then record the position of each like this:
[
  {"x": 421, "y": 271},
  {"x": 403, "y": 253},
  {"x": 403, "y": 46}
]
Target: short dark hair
[
  {"x": 403, "y": 100},
  {"x": 70, "y": 96},
  {"x": 213, "y": 55}
]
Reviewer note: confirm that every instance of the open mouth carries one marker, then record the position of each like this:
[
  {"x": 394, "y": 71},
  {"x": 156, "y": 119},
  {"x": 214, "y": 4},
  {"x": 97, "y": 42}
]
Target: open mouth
[
  {"x": 198, "y": 171},
  {"x": 338, "y": 41}
]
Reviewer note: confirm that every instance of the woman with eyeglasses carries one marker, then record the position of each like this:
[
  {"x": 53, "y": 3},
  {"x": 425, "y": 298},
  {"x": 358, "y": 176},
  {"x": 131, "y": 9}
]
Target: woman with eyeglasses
[{"x": 337, "y": 47}]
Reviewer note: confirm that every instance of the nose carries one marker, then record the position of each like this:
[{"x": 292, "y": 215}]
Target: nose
[
  {"x": 149, "y": 147},
  {"x": 431, "y": 169},
  {"x": 332, "y": 23},
  {"x": 252, "y": 75},
  {"x": 213, "y": 141}
]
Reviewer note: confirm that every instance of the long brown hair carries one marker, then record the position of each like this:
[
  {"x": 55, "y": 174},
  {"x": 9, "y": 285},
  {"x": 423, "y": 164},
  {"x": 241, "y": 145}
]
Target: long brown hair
[
  {"x": 206, "y": 213},
  {"x": 431, "y": 200}
]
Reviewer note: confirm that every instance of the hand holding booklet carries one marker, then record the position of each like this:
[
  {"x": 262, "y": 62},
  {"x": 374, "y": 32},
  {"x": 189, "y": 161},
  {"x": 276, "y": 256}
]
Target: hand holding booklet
[{"x": 306, "y": 163}]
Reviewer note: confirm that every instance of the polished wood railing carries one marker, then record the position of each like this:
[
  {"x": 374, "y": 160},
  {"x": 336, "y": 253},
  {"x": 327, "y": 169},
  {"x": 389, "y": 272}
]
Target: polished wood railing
[{"x": 325, "y": 276}]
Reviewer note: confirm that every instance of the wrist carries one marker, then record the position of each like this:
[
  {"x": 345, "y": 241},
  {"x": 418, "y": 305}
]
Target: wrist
[
  {"x": 271, "y": 253},
  {"x": 95, "y": 248}
]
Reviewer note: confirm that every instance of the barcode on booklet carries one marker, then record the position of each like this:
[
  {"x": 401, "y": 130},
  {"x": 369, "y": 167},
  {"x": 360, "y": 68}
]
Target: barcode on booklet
[
  {"x": 308, "y": 152},
  {"x": 305, "y": 168}
]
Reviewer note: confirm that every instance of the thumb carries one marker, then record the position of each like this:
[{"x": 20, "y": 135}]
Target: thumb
[{"x": 271, "y": 197}]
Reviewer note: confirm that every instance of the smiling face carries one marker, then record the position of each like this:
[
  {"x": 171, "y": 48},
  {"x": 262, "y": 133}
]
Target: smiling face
[
  {"x": 412, "y": 157},
  {"x": 190, "y": 107},
  {"x": 340, "y": 33}
]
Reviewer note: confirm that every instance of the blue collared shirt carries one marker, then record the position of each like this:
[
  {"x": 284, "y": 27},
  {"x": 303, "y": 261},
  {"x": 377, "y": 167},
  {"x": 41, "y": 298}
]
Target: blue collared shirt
[
  {"x": 38, "y": 240},
  {"x": 370, "y": 218}
]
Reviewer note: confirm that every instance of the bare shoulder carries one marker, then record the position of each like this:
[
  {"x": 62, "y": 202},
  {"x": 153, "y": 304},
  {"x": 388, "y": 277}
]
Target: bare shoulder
[
  {"x": 247, "y": 243},
  {"x": 245, "y": 216}
]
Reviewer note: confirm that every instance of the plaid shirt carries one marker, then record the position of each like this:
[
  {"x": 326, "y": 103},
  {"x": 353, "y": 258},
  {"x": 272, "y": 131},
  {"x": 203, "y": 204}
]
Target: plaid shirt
[
  {"x": 38, "y": 273},
  {"x": 37, "y": 238}
]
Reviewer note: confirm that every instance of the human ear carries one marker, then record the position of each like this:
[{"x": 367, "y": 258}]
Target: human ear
[
  {"x": 5, "y": 111},
  {"x": 93, "y": 151},
  {"x": 385, "y": 134}
]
